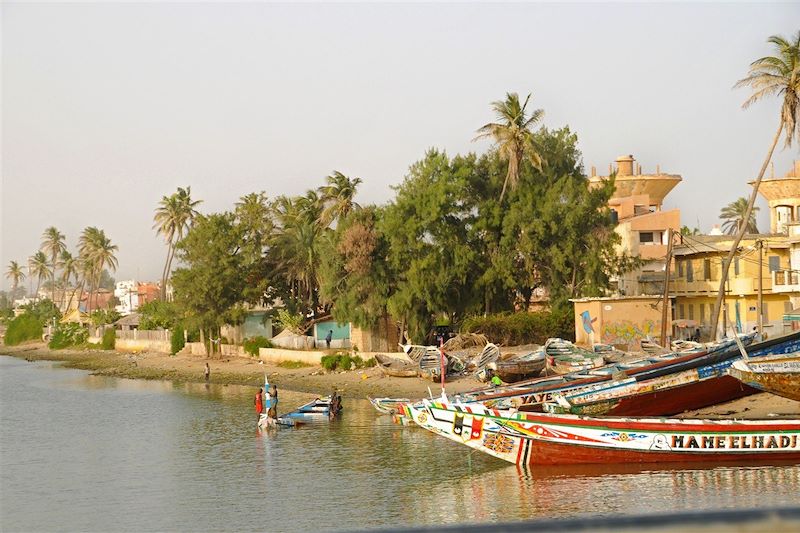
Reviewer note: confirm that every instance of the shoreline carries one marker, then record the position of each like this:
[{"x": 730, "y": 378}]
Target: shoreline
[{"x": 351, "y": 384}]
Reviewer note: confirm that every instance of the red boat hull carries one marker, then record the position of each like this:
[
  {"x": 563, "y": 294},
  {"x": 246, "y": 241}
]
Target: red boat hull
[
  {"x": 553, "y": 453},
  {"x": 683, "y": 398}
]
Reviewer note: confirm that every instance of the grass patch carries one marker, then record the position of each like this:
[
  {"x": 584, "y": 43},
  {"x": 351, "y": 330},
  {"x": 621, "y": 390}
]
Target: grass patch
[{"x": 293, "y": 364}]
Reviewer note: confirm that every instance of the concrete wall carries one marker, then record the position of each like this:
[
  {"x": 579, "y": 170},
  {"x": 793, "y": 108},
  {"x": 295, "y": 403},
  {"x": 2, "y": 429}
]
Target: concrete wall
[
  {"x": 226, "y": 350},
  {"x": 142, "y": 345},
  {"x": 384, "y": 337},
  {"x": 277, "y": 355},
  {"x": 623, "y": 322}
]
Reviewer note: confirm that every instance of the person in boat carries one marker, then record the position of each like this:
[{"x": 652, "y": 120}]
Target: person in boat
[
  {"x": 493, "y": 378},
  {"x": 259, "y": 404}
]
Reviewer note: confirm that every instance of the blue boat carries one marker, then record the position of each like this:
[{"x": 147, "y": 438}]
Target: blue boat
[{"x": 318, "y": 408}]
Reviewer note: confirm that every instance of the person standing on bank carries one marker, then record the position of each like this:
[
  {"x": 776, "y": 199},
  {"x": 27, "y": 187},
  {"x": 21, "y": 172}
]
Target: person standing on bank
[
  {"x": 207, "y": 372},
  {"x": 328, "y": 339}
]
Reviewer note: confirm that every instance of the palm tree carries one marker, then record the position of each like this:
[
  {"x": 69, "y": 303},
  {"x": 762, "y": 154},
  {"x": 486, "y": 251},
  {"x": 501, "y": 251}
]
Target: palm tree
[
  {"x": 173, "y": 217},
  {"x": 777, "y": 75},
  {"x": 733, "y": 214},
  {"x": 15, "y": 273},
  {"x": 69, "y": 270},
  {"x": 337, "y": 197},
  {"x": 53, "y": 245},
  {"x": 513, "y": 136},
  {"x": 97, "y": 252},
  {"x": 39, "y": 267}
]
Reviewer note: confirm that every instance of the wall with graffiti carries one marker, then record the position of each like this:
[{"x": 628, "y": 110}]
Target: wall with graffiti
[{"x": 623, "y": 322}]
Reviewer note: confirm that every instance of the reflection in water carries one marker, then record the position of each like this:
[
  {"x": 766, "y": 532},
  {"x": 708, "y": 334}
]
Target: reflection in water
[{"x": 79, "y": 452}]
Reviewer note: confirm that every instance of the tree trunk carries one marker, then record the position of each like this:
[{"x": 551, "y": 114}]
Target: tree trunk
[
  {"x": 164, "y": 272},
  {"x": 726, "y": 263}
]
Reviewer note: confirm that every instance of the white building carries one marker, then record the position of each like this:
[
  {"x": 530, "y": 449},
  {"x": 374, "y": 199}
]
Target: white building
[{"x": 127, "y": 292}]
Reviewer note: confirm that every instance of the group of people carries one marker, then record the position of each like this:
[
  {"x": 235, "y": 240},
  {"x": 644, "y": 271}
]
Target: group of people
[{"x": 267, "y": 398}]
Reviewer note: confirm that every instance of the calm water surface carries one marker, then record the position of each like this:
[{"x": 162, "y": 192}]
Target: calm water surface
[{"x": 80, "y": 452}]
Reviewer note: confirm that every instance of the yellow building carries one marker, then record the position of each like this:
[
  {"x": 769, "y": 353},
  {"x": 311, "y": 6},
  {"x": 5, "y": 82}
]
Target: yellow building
[
  {"x": 697, "y": 272},
  {"x": 642, "y": 224}
]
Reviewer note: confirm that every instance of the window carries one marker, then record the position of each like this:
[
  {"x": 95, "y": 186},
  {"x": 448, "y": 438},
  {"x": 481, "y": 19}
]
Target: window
[
  {"x": 702, "y": 312},
  {"x": 706, "y": 269},
  {"x": 764, "y": 312},
  {"x": 689, "y": 271},
  {"x": 736, "y": 266},
  {"x": 774, "y": 263},
  {"x": 646, "y": 237},
  {"x": 691, "y": 311},
  {"x": 680, "y": 311},
  {"x": 680, "y": 268}
]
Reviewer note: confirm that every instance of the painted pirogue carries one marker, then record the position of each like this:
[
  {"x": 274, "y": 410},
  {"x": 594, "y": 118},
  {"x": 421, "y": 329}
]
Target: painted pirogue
[
  {"x": 546, "y": 439},
  {"x": 778, "y": 374},
  {"x": 672, "y": 393}
]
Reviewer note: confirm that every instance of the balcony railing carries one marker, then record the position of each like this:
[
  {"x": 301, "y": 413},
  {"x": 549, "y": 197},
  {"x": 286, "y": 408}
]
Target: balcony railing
[{"x": 786, "y": 281}]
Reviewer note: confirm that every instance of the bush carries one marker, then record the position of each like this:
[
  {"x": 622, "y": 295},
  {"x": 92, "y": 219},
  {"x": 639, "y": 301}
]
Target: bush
[
  {"x": 109, "y": 339},
  {"x": 158, "y": 314},
  {"x": 44, "y": 311},
  {"x": 329, "y": 362},
  {"x": 66, "y": 335},
  {"x": 25, "y": 327},
  {"x": 293, "y": 364},
  {"x": 522, "y": 328},
  {"x": 176, "y": 340},
  {"x": 343, "y": 361},
  {"x": 252, "y": 345}
]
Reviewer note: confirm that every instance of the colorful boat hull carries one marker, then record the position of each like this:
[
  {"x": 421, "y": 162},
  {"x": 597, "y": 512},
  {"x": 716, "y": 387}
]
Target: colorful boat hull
[
  {"x": 545, "y": 439},
  {"x": 777, "y": 375}
]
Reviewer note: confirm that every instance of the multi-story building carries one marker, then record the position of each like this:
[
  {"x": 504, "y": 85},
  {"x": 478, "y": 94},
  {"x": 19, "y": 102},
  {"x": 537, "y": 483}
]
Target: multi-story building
[
  {"x": 132, "y": 294},
  {"x": 772, "y": 257},
  {"x": 643, "y": 226}
]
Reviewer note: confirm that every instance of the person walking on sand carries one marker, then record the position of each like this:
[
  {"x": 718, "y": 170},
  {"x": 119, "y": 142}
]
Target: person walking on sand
[
  {"x": 328, "y": 339},
  {"x": 259, "y": 403},
  {"x": 207, "y": 372}
]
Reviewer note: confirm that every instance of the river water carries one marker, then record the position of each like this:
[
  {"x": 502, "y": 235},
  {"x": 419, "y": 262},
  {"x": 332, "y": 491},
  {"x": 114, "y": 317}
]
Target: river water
[{"x": 89, "y": 453}]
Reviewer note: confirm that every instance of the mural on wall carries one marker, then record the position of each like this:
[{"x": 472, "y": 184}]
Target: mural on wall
[
  {"x": 627, "y": 332},
  {"x": 588, "y": 326}
]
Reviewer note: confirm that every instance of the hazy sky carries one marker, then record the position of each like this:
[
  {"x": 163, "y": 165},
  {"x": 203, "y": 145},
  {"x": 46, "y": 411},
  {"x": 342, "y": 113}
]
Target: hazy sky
[{"x": 108, "y": 107}]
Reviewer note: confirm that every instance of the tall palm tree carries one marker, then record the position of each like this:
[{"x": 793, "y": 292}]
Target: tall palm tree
[
  {"x": 69, "y": 270},
  {"x": 15, "y": 273},
  {"x": 172, "y": 219},
  {"x": 733, "y": 214},
  {"x": 337, "y": 197},
  {"x": 98, "y": 253},
  {"x": 513, "y": 136},
  {"x": 53, "y": 245},
  {"x": 39, "y": 267},
  {"x": 776, "y": 75}
]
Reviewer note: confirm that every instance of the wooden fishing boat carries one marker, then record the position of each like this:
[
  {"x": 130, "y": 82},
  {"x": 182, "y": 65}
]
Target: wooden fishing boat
[
  {"x": 518, "y": 368},
  {"x": 533, "y": 393},
  {"x": 647, "y": 394},
  {"x": 546, "y": 439},
  {"x": 563, "y": 357},
  {"x": 778, "y": 374},
  {"x": 396, "y": 367},
  {"x": 388, "y": 406},
  {"x": 318, "y": 408},
  {"x": 265, "y": 422}
]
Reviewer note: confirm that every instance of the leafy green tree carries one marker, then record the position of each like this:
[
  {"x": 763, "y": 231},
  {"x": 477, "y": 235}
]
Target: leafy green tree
[
  {"x": 254, "y": 218},
  {"x": 212, "y": 281},
  {"x": 776, "y": 75},
  {"x": 354, "y": 275},
  {"x": 513, "y": 135},
  {"x": 173, "y": 217},
  {"x": 53, "y": 245},
  {"x": 734, "y": 216},
  {"x": 159, "y": 314}
]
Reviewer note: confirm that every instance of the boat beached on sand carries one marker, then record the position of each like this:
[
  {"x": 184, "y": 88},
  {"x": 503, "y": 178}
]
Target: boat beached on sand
[
  {"x": 779, "y": 374},
  {"x": 545, "y": 439}
]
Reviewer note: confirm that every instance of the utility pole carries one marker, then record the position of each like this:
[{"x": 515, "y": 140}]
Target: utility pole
[
  {"x": 665, "y": 298},
  {"x": 760, "y": 289}
]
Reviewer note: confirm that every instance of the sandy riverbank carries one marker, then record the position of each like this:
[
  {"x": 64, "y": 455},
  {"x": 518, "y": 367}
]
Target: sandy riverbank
[{"x": 314, "y": 380}]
